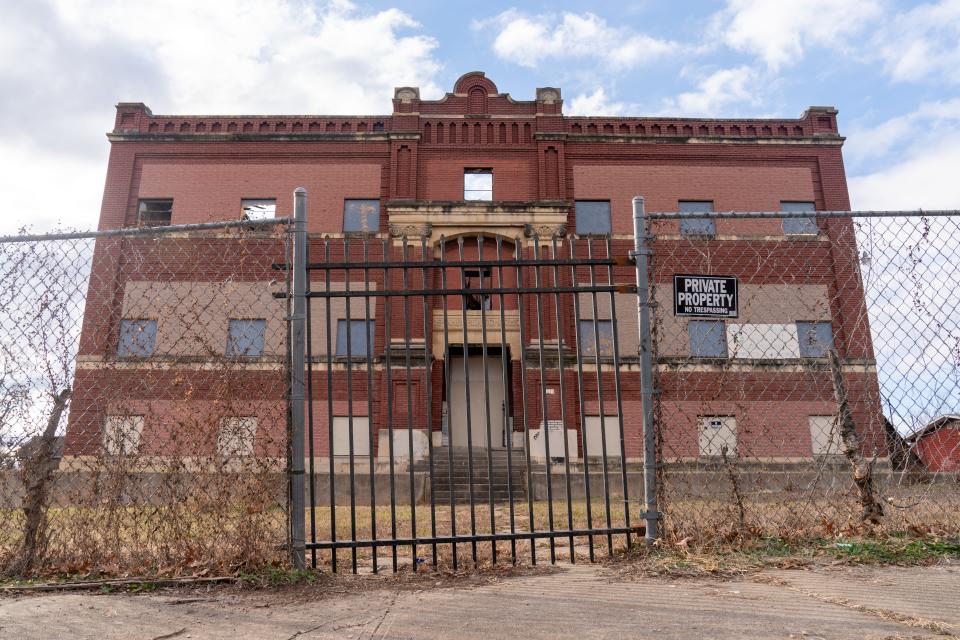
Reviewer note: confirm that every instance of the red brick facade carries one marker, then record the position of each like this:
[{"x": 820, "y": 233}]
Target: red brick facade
[{"x": 416, "y": 157}]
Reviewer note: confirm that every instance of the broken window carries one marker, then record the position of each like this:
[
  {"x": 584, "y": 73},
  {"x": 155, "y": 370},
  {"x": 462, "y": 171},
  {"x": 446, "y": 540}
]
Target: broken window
[
  {"x": 478, "y": 184},
  {"x": 361, "y": 216},
  {"x": 477, "y": 279},
  {"x": 258, "y": 209},
  {"x": 155, "y": 212}
]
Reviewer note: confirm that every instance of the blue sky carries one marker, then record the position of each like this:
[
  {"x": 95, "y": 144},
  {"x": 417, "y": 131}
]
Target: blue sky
[{"x": 891, "y": 68}]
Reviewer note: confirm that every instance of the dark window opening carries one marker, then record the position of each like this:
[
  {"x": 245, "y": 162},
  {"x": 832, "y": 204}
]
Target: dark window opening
[
  {"x": 155, "y": 213},
  {"x": 477, "y": 279}
]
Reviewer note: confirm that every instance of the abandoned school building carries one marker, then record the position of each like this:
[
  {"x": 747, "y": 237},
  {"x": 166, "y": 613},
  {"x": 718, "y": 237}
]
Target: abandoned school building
[{"x": 499, "y": 174}]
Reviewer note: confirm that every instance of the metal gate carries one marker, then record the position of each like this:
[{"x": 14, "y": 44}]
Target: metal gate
[{"x": 464, "y": 399}]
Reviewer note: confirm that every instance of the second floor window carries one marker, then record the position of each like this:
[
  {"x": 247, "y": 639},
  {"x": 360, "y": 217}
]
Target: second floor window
[
  {"x": 593, "y": 217},
  {"x": 137, "y": 337},
  {"x": 478, "y": 184}
]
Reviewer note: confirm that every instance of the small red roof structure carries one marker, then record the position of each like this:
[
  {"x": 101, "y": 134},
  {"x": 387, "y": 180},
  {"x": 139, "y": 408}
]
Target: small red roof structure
[{"x": 938, "y": 444}]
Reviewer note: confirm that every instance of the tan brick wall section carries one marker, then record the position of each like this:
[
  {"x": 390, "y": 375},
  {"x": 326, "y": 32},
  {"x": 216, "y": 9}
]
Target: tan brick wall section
[{"x": 759, "y": 304}]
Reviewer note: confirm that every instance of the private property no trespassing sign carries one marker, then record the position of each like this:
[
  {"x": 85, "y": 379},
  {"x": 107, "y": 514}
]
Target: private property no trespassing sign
[{"x": 705, "y": 296}]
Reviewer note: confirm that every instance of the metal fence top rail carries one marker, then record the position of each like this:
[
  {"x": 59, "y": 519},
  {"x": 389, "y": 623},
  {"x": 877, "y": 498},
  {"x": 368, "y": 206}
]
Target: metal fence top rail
[
  {"x": 147, "y": 231},
  {"x": 908, "y": 213}
]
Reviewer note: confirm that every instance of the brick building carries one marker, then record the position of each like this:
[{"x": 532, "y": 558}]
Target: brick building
[{"x": 480, "y": 164}]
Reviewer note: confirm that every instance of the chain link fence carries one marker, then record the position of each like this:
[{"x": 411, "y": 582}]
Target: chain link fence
[
  {"x": 143, "y": 412},
  {"x": 807, "y": 368}
]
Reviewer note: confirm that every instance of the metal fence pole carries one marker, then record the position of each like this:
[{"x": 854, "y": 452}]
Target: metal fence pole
[
  {"x": 297, "y": 327},
  {"x": 639, "y": 256}
]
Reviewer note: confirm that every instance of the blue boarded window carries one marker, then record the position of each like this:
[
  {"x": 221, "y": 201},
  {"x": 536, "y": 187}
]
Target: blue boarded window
[
  {"x": 361, "y": 216},
  {"x": 697, "y": 226},
  {"x": 593, "y": 217},
  {"x": 816, "y": 339},
  {"x": 799, "y": 226},
  {"x": 246, "y": 337},
  {"x": 599, "y": 341},
  {"x": 708, "y": 338},
  {"x": 137, "y": 337},
  {"x": 354, "y": 333}
]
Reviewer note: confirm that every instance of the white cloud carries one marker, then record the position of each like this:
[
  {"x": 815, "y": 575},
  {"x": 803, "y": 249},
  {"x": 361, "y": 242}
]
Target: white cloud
[
  {"x": 595, "y": 104},
  {"x": 65, "y": 63},
  {"x": 921, "y": 42},
  {"x": 528, "y": 40},
  {"x": 926, "y": 177},
  {"x": 737, "y": 89},
  {"x": 926, "y": 123},
  {"x": 779, "y": 32}
]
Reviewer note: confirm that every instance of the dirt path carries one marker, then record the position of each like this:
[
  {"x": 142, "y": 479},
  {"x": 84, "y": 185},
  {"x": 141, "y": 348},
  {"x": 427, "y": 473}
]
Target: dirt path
[{"x": 572, "y": 602}]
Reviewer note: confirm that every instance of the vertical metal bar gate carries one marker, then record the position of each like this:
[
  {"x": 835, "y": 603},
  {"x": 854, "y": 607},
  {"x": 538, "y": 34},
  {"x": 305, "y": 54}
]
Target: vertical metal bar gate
[{"x": 475, "y": 392}]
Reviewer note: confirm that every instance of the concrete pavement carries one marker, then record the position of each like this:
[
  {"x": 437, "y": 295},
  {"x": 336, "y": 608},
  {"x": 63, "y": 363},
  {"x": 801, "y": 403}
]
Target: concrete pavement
[{"x": 571, "y": 602}]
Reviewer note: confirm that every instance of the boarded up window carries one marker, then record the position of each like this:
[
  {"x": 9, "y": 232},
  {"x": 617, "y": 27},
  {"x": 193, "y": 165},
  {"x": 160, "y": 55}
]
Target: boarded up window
[
  {"x": 708, "y": 338},
  {"x": 717, "y": 432},
  {"x": 354, "y": 338},
  {"x": 137, "y": 337},
  {"x": 763, "y": 341},
  {"x": 121, "y": 435},
  {"x": 799, "y": 226},
  {"x": 361, "y": 216},
  {"x": 236, "y": 436},
  {"x": 825, "y": 437},
  {"x": 593, "y": 217},
  {"x": 245, "y": 337},
  {"x": 595, "y": 435},
  {"x": 596, "y": 339},
  {"x": 816, "y": 339},
  {"x": 697, "y": 226},
  {"x": 361, "y": 436}
]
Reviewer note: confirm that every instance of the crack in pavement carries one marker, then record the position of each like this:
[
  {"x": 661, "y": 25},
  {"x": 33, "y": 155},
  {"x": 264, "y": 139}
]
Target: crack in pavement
[
  {"x": 386, "y": 612},
  {"x": 937, "y": 626},
  {"x": 173, "y": 634}
]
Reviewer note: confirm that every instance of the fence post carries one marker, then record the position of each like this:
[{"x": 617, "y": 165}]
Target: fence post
[
  {"x": 639, "y": 256},
  {"x": 297, "y": 327}
]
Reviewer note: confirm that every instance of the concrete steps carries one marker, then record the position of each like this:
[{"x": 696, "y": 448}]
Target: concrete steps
[{"x": 491, "y": 475}]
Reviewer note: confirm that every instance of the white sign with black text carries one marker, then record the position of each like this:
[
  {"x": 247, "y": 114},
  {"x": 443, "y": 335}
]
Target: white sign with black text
[{"x": 705, "y": 296}]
